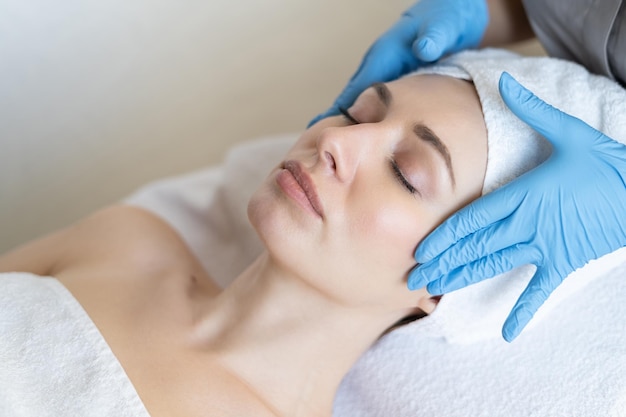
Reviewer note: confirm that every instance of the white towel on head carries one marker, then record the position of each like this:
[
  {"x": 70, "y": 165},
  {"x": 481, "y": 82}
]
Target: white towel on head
[
  {"x": 514, "y": 147},
  {"x": 478, "y": 311}
]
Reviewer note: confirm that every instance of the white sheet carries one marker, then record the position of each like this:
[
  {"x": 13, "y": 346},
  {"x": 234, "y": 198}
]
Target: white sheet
[{"x": 572, "y": 364}]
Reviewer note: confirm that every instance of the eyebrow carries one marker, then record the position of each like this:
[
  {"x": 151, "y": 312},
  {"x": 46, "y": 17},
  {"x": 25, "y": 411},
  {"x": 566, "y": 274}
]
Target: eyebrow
[{"x": 421, "y": 130}]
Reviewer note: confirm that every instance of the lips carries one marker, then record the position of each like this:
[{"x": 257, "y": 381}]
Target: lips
[{"x": 306, "y": 184}]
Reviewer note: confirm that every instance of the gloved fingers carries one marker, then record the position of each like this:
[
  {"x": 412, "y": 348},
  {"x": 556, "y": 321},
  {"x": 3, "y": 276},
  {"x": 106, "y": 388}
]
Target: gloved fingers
[
  {"x": 357, "y": 84},
  {"x": 387, "y": 59},
  {"x": 328, "y": 113},
  {"x": 479, "y": 214},
  {"x": 434, "y": 40},
  {"x": 559, "y": 128},
  {"x": 494, "y": 238},
  {"x": 427, "y": 50},
  {"x": 543, "y": 283},
  {"x": 476, "y": 271},
  {"x": 445, "y": 27},
  {"x": 367, "y": 73}
]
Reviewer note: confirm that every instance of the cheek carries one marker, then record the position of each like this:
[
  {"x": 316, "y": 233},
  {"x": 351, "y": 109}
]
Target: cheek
[
  {"x": 293, "y": 238},
  {"x": 373, "y": 253},
  {"x": 383, "y": 238},
  {"x": 393, "y": 232},
  {"x": 260, "y": 206}
]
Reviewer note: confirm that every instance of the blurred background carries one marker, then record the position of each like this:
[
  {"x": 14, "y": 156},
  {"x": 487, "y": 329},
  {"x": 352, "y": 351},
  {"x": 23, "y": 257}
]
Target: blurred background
[{"x": 100, "y": 97}]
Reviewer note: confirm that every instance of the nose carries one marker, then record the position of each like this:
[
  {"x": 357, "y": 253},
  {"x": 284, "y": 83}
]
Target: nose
[{"x": 343, "y": 149}]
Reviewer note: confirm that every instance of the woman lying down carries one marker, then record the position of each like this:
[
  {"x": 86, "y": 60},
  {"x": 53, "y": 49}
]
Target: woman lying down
[{"x": 115, "y": 316}]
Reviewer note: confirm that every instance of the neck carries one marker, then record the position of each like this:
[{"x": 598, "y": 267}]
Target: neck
[{"x": 288, "y": 342}]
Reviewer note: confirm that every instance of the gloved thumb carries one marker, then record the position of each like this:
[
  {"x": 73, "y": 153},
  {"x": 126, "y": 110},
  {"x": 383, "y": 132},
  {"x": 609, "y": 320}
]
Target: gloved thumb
[
  {"x": 553, "y": 124},
  {"x": 542, "y": 284},
  {"x": 430, "y": 45}
]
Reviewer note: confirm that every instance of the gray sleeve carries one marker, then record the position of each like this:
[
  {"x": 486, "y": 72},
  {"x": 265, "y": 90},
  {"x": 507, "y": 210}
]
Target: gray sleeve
[{"x": 590, "y": 32}]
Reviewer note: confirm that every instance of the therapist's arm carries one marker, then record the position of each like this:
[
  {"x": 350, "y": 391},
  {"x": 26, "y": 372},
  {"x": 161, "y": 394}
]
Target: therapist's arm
[{"x": 508, "y": 23}]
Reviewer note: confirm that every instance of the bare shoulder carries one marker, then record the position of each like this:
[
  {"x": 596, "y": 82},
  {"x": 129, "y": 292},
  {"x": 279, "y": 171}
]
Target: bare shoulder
[
  {"x": 129, "y": 239},
  {"x": 113, "y": 231}
]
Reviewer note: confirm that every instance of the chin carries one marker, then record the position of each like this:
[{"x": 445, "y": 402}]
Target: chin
[
  {"x": 274, "y": 221},
  {"x": 271, "y": 210},
  {"x": 259, "y": 212},
  {"x": 288, "y": 235}
]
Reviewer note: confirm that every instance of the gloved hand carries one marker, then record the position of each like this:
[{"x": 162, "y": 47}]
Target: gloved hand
[
  {"x": 425, "y": 32},
  {"x": 567, "y": 211}
]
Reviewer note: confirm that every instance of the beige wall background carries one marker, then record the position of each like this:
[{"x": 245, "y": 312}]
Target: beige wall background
[{"x": 100, "y": 97}]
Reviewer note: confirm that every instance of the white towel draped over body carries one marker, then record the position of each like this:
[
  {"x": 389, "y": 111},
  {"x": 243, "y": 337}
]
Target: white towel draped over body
[{"x": 53, "y": 359}]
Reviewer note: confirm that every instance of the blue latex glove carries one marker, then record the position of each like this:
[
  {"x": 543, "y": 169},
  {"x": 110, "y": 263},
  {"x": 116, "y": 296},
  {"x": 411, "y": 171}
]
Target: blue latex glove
[
  {"x": 567, "y": 211},
  {"x": 425, "y": 32}
]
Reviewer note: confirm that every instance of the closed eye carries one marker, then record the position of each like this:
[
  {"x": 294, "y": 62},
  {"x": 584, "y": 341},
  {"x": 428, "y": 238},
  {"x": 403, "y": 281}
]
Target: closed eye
[
  {"x": 401, "y": 178},
  {"x": 348, "y": 116}
]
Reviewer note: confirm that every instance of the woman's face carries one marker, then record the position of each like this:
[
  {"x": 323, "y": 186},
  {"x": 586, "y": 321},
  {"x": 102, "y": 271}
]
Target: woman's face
[{"x": 353, "y": 198}]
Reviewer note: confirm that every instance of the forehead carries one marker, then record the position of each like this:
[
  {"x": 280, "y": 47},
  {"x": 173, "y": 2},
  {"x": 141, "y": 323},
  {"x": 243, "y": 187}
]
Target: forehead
[{"x": 438, "y": 97}]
